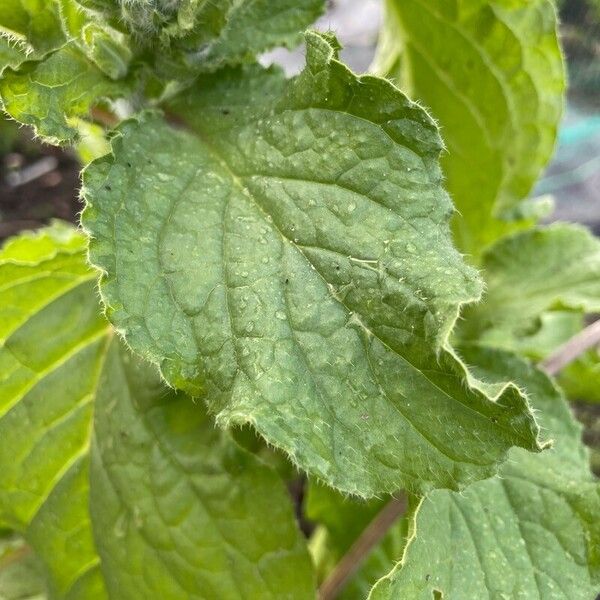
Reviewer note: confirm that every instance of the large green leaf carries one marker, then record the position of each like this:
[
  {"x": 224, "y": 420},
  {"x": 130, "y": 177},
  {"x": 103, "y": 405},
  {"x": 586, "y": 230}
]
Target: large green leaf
[
  {"x": 189, "y": 513},
  {"x": 533, "y": 532},
  {"x": 288, "y": 256},
  {"x": 556, "y": 267},
  {"x": 52, "y": 344},
  {"x": 177, "y": 509},
  {"x": 491, "y": 72}
]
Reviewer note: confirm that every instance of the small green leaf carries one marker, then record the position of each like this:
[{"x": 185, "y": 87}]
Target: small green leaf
[
  {"x": 491, "y": 72},
  {"x": 288, "y": 255},
  {"x": 49, "y": 93},
  {"x": 247, "y": 28},
  {"x": 192, "y": 516},
  {"x": 29, "y": 29},
  {"x": 532, "y": 532},
  {"x": 581, "y": 379},
  {"x": 530, "y": 273},
  {"x": 181, "y": 39},
  {"x": 107, "y": 47}
]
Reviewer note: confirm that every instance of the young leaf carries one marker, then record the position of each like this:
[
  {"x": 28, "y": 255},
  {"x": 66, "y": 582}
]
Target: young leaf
[
  {"x": 227, "y": 33},
  {"x": 181, "y": 39},
  {"x": 110, "y": 49},
  {"x": 49, "y": 94},
  {"x": 491, "y": 71},
  {"x": 29, "y": 29},
  {"x": 58, "y": 359},
  {"x": 67, "y": 62},
  {"x": 533, "y": 532},
  {"x": 288, "y": 255},
  {"x": 554, "y": 267},
  {"x": 90, "y": 61}
]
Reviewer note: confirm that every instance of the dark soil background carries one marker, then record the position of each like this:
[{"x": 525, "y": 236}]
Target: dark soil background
[{"x": 52, "y": 194}]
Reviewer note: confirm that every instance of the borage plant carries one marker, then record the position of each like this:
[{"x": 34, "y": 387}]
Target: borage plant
[{"x": 280, "y": 270}]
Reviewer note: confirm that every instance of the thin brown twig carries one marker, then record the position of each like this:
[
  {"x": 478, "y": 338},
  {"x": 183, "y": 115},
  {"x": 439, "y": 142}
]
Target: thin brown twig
[
  {"x": 573, "y": 349},
  {"x": 104, "y": 117},
  {"x": 379, "y": 526},
  {"x": 367, "y": 540}
]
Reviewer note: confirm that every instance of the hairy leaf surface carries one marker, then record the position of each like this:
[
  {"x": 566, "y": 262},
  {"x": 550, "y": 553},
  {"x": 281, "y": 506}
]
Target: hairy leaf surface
[
  {"x": 29, "y": 29},
  {"x": 192, "y": 516},
  {"x": 181, "y": 38},
  {"x": 491, "y": 71},
  {"x": 49, "y": 94},
  {"x": 555, "y": 267},
  {"x": 288, "y": 256},
  {"x": 533, "y": 532}
]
